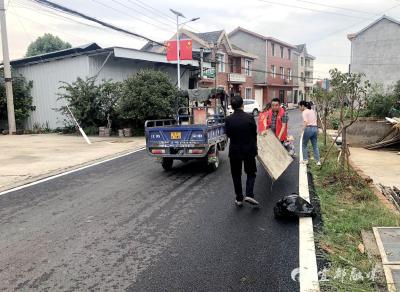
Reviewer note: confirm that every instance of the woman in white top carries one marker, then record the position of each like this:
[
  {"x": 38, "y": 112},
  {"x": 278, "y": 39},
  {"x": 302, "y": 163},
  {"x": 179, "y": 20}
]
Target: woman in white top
[{"x": 310, "y": 131}]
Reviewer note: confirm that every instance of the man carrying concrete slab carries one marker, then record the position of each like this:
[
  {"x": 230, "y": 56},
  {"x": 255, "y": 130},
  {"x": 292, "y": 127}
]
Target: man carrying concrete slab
[
  {"x": 241, "y": 129},
  {"x": 277, "y": 120}
]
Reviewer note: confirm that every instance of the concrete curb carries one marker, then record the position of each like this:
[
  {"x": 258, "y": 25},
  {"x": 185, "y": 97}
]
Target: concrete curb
[
  {"x": 307, "y": 256},
  {"x": 59, "y": 172}
]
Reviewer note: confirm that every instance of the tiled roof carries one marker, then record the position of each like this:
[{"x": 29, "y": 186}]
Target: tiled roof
[
  {"x": 210, "y": 37},
  {"x": 300, "y": 48}
]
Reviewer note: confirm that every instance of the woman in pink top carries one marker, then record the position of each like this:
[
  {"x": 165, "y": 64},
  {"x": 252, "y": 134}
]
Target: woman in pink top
[{"x": 310, "y": 131}]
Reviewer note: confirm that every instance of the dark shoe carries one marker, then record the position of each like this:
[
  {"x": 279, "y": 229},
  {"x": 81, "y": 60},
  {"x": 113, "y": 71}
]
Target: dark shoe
[{"x": 251, "y": 201}]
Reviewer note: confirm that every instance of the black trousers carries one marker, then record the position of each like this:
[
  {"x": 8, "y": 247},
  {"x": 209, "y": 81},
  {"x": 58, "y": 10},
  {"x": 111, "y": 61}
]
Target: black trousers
[{"x": 250, "y": 169}]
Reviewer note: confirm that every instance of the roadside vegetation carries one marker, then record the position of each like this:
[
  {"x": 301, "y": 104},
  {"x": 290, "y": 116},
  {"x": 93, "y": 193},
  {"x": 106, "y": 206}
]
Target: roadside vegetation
[
  {"x": 22, "y": 98},
  {"x": 146, "y": 95},
  {"x": 348, "y": 206},
  {"x": 347, "y": 203}
]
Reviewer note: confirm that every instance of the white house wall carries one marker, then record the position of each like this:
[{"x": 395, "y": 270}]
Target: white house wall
[
  {"x": 46, "y": 79},
  {"x": 376, "y": 53}
]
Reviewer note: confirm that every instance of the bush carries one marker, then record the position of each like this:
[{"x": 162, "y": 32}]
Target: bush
[
  {"x": 91, "y": 131},
  {"x": 92, "y": 104},
  {"x": 147, "y": 95},
  {"x": 22, "y": 99},
  {"x": 383, "y": 104}
]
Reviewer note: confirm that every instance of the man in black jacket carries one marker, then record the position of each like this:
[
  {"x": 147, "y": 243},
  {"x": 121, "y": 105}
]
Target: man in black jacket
[{"x": 241, "y": 128}]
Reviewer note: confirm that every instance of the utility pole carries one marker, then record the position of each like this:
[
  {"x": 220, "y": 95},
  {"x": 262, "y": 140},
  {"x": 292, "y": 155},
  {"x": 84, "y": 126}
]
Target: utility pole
[{"x": 7, "y": 71}]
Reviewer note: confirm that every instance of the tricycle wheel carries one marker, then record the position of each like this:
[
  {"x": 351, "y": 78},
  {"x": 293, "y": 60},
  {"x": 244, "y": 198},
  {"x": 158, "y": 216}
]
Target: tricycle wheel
[{"x": 167, "y": 163}]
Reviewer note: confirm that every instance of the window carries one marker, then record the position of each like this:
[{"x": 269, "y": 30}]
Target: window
[
  {"x": 232, "y": 65},
  {"x": 289, "y": 54},
  {"x": 281, "y": 52},
  {"x": 289, "y": 73},
  {"x": 282, "y": 72},
  {"x": 308, "y": 63},
  {"x": 302, "y": 76},
  {"x": 247, "y": 65},
  {"x": 221, "y": 62},
  {"x": 273, "y": 49},
  {"x": 273, "y": 93},
  {"x": 273, "y": 72},
  {"x": 302, "y": 61},
  {"x": 249, "y": 95}
]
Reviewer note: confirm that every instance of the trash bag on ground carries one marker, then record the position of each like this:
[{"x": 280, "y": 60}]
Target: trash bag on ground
[{"x": 293, "y": 206}]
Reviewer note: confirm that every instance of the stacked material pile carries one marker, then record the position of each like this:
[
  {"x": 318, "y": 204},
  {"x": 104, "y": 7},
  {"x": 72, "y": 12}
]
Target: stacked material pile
[
  {"x": 393, "y": 194},
  {"x": 389, "y": 139}
]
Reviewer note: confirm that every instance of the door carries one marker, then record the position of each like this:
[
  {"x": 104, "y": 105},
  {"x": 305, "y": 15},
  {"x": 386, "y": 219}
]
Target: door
[
  {"x": 282, "y": 96},
  {"x": 259, "y": 96}
]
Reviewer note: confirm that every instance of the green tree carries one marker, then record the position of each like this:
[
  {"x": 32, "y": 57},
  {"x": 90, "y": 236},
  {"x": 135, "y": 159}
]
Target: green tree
[
  {"x": 350, "y": 91},
  {"x": 325, "y": 103},
  {"x": 46, "y": 44},
  {"x": 147, "y": 95},
  {"x": 92, "y": 104},
  {"x": 22, "y": 98}
]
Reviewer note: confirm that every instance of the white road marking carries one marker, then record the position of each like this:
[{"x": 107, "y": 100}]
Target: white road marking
[
  {"x": 307, "y": 258},
  {"x": 66, "y": 173}
]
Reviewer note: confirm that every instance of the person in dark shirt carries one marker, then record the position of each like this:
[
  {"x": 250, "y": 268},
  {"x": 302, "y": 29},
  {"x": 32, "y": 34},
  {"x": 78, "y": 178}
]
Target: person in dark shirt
[{"x": 241, "y": 129}]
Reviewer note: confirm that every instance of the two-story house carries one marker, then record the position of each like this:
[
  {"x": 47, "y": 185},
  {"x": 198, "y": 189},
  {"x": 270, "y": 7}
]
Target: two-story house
[
  {"x": 232, "y": 66},
  {"x": 273, "y": 69},
  {"x": 303, "y": 73}
]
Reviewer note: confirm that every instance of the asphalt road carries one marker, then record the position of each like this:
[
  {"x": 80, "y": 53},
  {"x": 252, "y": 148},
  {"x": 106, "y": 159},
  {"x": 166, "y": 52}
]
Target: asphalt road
[{"x": 129, "y": 225}]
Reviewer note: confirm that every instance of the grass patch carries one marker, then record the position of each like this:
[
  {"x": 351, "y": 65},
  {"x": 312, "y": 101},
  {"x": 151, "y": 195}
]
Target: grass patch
[{"x": 347, "y": 206}]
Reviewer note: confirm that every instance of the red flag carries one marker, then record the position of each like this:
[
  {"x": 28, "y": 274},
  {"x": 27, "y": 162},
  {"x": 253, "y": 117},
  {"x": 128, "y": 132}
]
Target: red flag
[
  {"x": 186, "y": 49},
  {"x": 171, "y": 51}
]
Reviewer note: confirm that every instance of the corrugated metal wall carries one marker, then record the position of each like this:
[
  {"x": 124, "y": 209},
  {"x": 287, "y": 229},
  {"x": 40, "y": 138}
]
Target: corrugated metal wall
[{"x": 46, "y": 79}]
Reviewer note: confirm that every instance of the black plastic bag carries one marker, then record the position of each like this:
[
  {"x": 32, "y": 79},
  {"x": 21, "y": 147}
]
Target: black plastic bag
[{"x": 293, "y": 206}]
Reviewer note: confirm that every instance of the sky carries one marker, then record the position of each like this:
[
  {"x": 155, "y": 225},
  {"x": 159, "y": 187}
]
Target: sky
[{"x": 322, "y": 25}]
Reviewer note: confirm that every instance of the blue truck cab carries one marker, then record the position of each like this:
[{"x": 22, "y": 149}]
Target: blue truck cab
[{"x": 195, "y": 133}]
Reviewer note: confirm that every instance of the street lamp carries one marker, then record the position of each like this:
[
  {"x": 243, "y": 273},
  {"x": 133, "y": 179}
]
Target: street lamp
[{"x": 178, "y": 14}]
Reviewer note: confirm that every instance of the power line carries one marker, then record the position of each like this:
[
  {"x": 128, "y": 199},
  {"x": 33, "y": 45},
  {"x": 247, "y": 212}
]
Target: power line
[
  {"x": 127, "y": 14},
  {"x": 141, "y": 13},
  {"x": 55, "y": 15},
  {"x": 64, "y": 9},
  {"x": 266, "y": 71},
  {"x": 310, "y": 9},
  {"x": 42, "y": 25},
  {"x": 348, "y": 27},
  {"x": 158, "y": 12},
  {"x": 337, "y": 7}
]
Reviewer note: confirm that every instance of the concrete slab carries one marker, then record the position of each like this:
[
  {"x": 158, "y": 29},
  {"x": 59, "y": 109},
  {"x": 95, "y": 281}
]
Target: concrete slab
[
  {"x": 26, "y": 158},
  {"x": 381, "y": 166},
  {"x": 392, "y": 274},
  {"x": 388, "y": 241},
  {"x": 272, "y": 155}
]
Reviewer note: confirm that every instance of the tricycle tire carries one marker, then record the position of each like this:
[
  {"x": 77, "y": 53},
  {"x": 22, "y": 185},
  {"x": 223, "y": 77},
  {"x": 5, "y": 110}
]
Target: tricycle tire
[{"x": 167, "y": 163}]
